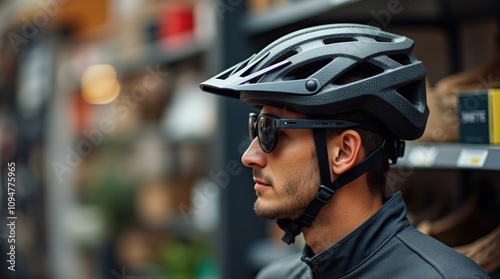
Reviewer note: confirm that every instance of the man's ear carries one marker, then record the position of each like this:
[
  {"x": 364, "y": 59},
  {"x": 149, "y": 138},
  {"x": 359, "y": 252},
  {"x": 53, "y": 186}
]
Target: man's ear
[{"x": 344, "y": 151}]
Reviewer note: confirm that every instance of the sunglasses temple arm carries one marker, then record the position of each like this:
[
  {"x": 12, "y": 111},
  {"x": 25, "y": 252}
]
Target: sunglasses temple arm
[{"x": 314, "y": 124}]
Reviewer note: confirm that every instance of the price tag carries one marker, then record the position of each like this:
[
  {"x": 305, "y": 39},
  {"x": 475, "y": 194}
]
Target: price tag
[
  {"x": 472, "y": 158},
  {"x": 422, "y": 156}
]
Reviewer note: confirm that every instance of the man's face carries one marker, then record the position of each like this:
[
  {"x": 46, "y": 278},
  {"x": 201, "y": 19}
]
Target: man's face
[{"x": 286, "y": 180}]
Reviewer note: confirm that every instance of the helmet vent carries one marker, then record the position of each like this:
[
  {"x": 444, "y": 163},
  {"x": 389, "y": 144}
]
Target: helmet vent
[
  {"x": 241, "y": 66},
  {"x": 360, "y": 71},
  {"x": 307, "y": 70},
  {"x": 411, "y": 93},
  {"x": 254, "y": 80},
  {"x": 247, "y": 71},
  {"x": 381, "y": 39},
  {"x": 401, "y": 58},
  {"x": 330, "y": 41},
  {"x": 285, "y": 56},
  {"x": 224, "y": 75}
]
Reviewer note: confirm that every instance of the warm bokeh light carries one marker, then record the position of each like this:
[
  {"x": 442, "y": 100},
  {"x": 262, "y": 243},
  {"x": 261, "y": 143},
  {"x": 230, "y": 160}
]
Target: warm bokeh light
[{"x": 100, "y": 85}]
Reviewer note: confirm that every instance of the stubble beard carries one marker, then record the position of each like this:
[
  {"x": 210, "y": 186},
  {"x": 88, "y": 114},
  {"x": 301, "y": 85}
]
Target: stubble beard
[{"x": 298, "y": 192}]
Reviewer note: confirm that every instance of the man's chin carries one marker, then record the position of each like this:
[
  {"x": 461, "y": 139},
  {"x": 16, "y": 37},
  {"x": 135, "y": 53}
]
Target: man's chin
[
  {"x": 263, "y": 211},
  {"x": 268, "y": 211},
  {"x": 266, "y": 215}
]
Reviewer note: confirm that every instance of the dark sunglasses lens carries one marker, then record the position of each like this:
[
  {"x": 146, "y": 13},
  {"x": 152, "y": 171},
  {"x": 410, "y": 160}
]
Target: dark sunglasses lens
[
  {"x": 252, "y": 131},
  {"x": 267, "y": 136}
]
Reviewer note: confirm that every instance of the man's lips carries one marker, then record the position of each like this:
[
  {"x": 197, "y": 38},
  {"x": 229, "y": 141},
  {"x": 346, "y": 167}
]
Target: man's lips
[
  {"x": 259, "y": 181},
  {"x": 260, "y": 185}
]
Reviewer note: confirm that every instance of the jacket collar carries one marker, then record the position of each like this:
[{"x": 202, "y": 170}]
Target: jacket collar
[{"x": 351, "y": 251}]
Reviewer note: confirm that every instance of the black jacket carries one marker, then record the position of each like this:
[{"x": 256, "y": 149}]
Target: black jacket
[{"x": 385, "y": 246}]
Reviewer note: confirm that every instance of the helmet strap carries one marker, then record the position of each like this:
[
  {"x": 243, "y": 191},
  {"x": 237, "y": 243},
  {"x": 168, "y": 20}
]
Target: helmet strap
[{"x": 327, "y": 188}]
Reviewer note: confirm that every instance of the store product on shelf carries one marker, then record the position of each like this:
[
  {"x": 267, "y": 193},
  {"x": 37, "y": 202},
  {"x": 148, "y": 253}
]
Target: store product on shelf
[
  {"x": 443, "y": 98},
  {"x": 479, "y": 115}
]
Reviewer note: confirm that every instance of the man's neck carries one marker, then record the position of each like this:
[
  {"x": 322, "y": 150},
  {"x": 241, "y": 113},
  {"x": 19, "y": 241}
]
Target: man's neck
[{"x": 349, "y": 208}]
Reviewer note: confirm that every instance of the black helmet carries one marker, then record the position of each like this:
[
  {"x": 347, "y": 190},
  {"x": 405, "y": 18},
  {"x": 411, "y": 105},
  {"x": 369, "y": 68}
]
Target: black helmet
[{"x": 304, "y": 72}]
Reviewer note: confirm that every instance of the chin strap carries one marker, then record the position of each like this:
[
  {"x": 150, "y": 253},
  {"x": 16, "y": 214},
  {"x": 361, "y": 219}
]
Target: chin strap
[{"x": 292, "y": 228}]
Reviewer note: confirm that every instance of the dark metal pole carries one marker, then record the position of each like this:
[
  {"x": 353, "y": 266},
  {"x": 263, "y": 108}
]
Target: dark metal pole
[{"x": 239, "y": 225}]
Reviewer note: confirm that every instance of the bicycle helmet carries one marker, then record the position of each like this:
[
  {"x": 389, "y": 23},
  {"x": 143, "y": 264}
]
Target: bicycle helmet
[
  {"x": 306, "y": 72},
  {"x": 301, "y": 71}
]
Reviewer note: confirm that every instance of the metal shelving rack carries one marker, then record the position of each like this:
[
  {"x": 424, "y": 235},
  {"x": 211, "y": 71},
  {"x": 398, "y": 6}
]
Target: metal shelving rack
[
  {"x": 291, "y": 13},
  {"x": 152, "y": 53},
  {"x": 452, "y": 156},
  {"x": 402, "y": 12}
]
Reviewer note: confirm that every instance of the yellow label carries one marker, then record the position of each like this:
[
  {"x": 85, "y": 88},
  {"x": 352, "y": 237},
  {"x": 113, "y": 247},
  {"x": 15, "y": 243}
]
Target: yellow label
[{"x": 494, "y": 115}]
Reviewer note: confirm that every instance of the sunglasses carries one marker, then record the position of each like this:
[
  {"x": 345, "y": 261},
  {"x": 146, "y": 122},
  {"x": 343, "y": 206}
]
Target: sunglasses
[{"x": 267, "y": 127}]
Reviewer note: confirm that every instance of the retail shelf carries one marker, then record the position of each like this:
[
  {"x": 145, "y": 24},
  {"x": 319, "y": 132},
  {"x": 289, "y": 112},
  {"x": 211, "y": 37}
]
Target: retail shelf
[
  {"x": 375, "y": 12},
  {"x": 451, "y": 156},
  {"x": 156, "y": 53},
  {"x": 289, "y": 13}
]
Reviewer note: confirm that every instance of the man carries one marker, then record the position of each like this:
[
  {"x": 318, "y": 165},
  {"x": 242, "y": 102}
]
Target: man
[{"x": 337, "y": 102}]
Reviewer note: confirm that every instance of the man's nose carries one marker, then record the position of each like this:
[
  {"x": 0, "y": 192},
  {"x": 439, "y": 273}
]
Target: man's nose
[{"x": 254, "y": 156}]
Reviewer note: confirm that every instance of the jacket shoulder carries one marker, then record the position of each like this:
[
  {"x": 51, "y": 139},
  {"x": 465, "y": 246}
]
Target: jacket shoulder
[{"x": 446, "y": 261}]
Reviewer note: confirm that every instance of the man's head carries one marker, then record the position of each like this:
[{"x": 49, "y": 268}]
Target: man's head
[
  {"x": 362, "y": 91},
  {"x": 287, "y": 177}
]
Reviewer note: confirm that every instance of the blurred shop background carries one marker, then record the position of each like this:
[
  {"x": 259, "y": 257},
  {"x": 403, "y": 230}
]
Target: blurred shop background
[{"x": 125, "y": 169}]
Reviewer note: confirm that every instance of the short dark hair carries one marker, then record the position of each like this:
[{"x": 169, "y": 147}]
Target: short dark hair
[{"x": 370, "y": 141}]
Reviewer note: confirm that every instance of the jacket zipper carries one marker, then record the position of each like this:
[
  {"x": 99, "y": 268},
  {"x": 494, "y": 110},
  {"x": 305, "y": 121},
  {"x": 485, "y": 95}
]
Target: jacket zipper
[{"x": 314, "y": 271}]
